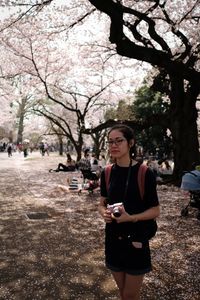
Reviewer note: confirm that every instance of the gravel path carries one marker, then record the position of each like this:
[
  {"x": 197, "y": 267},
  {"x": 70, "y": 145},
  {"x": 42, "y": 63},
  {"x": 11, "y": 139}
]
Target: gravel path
[{"x": 59, "y": 255}]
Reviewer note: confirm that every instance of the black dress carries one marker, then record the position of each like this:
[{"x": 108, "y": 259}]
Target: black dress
[{"x": 120, "y": 254}]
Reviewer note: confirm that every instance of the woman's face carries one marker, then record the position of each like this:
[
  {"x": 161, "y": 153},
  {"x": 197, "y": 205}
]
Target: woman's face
[{"x": 118, "y": 145}]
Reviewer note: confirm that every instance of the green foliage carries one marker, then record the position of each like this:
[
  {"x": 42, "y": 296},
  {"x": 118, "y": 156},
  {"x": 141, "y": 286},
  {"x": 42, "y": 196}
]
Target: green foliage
[
  {"x": 122, "y": 112},
  {"x": 155, "y": 141},
  {"x": 148, "y": 103},
  {"x": 148, "y": 106}
]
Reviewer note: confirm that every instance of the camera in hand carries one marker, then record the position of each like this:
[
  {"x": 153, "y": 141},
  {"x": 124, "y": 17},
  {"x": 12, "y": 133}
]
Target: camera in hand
[{"x": 114, "y": 209}]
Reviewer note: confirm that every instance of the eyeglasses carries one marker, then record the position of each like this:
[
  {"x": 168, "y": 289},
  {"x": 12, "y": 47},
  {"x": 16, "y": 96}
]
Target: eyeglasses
[{"x": 115, "y": 142}]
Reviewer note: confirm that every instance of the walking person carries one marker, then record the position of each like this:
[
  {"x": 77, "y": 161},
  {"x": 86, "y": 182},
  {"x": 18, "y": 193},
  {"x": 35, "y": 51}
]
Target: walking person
[
  {"x": 46, "y": 149},
  {"x": 9, "y": 149},
  {"x": 25, "y": 150},
  {"x": 127, "y": 234},
  {"x": 41, "y": 147}
]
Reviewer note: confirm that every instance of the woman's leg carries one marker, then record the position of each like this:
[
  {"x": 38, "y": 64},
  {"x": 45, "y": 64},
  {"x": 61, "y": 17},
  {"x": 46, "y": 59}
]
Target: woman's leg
[
  {"x": 129, "y": 285},
  {"x": 132, "y": 287},
  {"x": 61, "y": 167},
  {"x": 120, "y": 281}
]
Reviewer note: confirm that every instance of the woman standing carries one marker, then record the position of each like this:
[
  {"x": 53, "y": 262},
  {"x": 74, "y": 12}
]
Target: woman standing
[{"x": 127, "y": 251}]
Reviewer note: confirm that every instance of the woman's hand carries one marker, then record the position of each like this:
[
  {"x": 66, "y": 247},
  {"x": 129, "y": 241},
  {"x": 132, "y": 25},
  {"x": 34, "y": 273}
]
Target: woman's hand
[
  {"x": 107, "y": 216},
  {"x": 104, "y": 212}
]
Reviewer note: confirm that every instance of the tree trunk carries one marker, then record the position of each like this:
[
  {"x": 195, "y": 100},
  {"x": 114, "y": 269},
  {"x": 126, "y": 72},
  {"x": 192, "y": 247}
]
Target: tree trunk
[
  {"x": 21, "y": 114},
  {"x": 78, "y": 146},
  {"x": 20, "y": 129},
  {"x": 184, "y": 124},
  {"x": 97, "y": 142},
  {"x": 60, "y": 140}
]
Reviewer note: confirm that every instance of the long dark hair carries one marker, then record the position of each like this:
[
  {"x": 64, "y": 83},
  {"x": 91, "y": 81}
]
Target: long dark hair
[
  {"x": 128, "y": 134},
  {"x": 69, "y": 159}
]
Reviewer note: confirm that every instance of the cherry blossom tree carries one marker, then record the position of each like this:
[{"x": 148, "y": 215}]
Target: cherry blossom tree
[
  {"x": 7, "y": 120},
  {"x": 57, "y": 75},
  {"x": 164, "y": 34}
]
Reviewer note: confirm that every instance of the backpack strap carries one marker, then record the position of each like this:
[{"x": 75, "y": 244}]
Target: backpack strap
[
  {"x": 107, "y": 175},
  {"x": 141, "y": 179}
]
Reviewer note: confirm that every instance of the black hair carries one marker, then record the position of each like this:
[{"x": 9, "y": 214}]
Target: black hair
[
  {"x": 128, "y": 134},
  {"x": 95, "y": 162},
  {"x": 86, "y": 152}
]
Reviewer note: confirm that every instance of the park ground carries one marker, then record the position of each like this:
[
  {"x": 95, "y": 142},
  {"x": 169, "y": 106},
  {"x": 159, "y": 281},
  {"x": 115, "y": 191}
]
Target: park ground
[{"x": 51, "y": 243}]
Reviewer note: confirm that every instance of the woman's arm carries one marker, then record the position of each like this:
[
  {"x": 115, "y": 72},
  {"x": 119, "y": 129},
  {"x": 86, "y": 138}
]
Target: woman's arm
[{"x": 148, "y": 214}]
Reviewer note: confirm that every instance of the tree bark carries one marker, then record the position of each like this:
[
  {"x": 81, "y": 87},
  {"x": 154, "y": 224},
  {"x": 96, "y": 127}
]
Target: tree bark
[
  {"x": 20, "y": 129},
  {"x": 183, "y": 124},
  {"x": 22, "y": 112},
  {"x": 60, "y": 140}
]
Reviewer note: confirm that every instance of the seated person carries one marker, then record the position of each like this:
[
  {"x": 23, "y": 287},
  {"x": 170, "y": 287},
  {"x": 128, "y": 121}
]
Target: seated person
[
  {"x": 84, "y": 163},
  {"x": 68, "y": 167},
  {"x": 166, "y": 169},
  {"x": 153, "y": 166},
  {"x": 88, "y": 170},
  {"x": 94, "y": 164},
  {"x": 95, "y": 167}
]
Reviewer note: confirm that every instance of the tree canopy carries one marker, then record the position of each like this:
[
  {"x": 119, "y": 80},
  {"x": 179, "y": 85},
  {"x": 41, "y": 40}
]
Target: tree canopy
[{"x": 164, "y": 34}]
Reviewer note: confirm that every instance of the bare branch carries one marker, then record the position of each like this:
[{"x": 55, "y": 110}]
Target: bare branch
[{"x": 37, "y": 7}]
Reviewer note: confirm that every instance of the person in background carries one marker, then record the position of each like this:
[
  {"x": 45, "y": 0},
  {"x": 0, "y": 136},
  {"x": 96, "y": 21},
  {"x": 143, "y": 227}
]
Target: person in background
[
  {"x": 9, "y": 149},
  {"x": 95, "y": 167},
  {"x": 94, "y": 163},
  {"x": 102, "y": 161},
  {"x": 166, "y": 169},
  {"x": 41, "y": 146},
  {"x": 85, "y": 163},
  {"x": 152, "y": 164},
  {"x": 46, "y": 148},
  {"x": 25, "y": 149},
  {"x": 127, "y": 251},
  {"x": 68, "y": 167}
]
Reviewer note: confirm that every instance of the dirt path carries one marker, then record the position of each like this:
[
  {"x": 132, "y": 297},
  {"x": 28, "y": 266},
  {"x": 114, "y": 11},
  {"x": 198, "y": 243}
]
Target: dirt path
[{"x": 60, "y": 255}]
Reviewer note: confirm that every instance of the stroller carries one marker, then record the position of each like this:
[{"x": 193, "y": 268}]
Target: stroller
[{"x": 191, "y": 183}]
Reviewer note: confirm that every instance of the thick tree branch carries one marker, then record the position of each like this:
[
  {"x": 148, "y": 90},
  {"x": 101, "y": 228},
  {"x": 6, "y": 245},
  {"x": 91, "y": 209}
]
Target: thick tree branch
[
  {"x": 125, "y": 47},
  {"x": 135, "y": 124}
]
